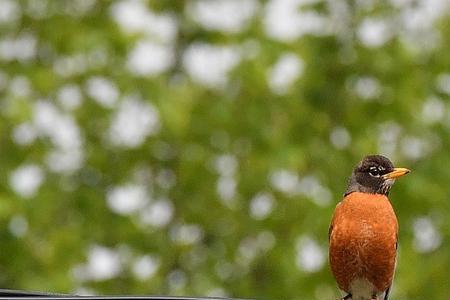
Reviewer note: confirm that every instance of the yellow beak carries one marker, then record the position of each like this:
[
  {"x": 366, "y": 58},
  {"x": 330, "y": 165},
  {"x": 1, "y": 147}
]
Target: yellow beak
[{"x": 396, "y": 173}]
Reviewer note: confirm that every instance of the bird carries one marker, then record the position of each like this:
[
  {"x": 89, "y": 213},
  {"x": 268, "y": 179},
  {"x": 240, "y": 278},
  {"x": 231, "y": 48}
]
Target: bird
[{"x": 363, "y": 234}]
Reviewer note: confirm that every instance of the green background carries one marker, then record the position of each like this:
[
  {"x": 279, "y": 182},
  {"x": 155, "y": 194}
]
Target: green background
[{"x": 247, "y": 172}]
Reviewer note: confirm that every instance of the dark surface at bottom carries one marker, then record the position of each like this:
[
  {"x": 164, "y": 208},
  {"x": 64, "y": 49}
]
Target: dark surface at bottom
[{"x": 17, "y": 294}]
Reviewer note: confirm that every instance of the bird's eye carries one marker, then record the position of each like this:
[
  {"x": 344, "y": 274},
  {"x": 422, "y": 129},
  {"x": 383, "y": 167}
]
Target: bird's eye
[{"x": 374, "y": 171}]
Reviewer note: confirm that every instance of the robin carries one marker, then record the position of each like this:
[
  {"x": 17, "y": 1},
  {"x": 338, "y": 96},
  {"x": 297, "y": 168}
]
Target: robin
[{"x": 363, "y": 231}]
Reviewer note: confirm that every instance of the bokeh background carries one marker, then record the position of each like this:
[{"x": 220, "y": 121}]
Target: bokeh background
[{"x": 199, "y": 147}]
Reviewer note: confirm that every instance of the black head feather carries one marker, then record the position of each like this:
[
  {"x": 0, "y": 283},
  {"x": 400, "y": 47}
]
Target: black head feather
[{"x": 367, "y": 177}]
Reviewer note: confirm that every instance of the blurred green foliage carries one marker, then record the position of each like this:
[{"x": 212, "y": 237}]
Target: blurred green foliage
[{"x": 232, "y": 169}]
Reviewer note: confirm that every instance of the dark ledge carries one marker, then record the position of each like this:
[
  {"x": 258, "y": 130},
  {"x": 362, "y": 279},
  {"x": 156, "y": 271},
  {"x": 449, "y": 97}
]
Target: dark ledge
[{"x": 17, "y": 294}]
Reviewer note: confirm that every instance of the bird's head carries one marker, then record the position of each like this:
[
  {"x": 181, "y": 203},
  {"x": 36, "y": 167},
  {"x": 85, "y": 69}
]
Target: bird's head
[{"x": 375, "y": 174}]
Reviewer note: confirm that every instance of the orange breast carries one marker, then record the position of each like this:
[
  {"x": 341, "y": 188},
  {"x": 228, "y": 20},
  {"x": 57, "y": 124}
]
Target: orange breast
[{"x": 363, "y": 240}]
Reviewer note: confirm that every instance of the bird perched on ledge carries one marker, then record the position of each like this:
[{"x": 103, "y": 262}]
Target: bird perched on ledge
[{"x": 363, "y": 231}]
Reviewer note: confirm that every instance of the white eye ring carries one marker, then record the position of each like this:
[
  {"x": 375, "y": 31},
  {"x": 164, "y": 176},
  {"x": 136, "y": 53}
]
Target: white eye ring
[{"x": 374, "y": 172}]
